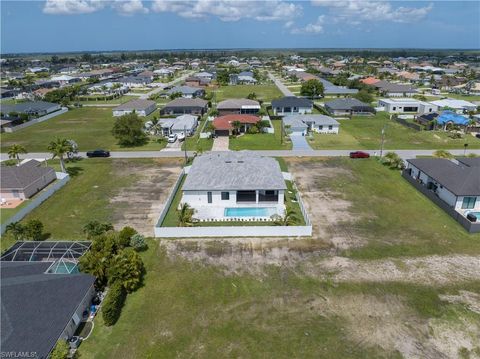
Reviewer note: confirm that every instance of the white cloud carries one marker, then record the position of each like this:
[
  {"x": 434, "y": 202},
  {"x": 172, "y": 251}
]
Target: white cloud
[
  {"x": 312, "y": 28},
  {"x": 70, "y": 7},
  {"x": 230, "y": 10},
  {"x": 73, "y": 7},
  {"x": 354, "y": 12}
]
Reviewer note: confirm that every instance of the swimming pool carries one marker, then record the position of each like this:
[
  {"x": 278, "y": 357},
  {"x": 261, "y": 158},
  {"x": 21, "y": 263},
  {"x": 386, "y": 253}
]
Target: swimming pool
[
  {"x": 250, "y": 212},
  {"x": 476, "y": 214}
]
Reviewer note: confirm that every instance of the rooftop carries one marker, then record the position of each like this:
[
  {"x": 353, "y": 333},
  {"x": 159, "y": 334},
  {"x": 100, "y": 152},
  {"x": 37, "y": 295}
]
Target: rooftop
[
  {"x": 292, "y": 101},
  {"x": 238, "y": 103},
  {"x": 225, "y": 122},
  {"x": 20, "y": 177},
  {"x": 187, "y": 102},
  {"x": 242, "y": 170}
]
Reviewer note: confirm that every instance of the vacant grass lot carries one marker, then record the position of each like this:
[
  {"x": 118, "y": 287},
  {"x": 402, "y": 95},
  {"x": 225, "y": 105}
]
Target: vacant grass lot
[
  {"x": 264, "y": 92},
  {"x": 89, "y": 127},
  {"x": 365, "y": 133},
  {"x": 261, "y": 141},
  {"x": 463, "y": 97},
  {"x": 99, "y": 100}
]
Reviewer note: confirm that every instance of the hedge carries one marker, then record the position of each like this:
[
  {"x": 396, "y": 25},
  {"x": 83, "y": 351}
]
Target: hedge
[{"x": 113, "y": 303}]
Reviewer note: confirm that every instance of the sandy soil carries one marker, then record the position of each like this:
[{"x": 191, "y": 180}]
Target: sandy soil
[{"x": 139, "y": 205}]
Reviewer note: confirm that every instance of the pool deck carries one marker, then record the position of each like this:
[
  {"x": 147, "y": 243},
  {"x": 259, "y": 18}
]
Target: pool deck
[{"x": 218, "y": 212}]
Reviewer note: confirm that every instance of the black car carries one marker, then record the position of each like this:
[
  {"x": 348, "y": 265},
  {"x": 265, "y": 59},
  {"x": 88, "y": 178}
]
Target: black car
[{"x": 98, "y": 153}]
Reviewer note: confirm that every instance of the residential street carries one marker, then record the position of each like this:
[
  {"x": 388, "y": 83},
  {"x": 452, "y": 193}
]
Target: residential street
[
  {"x": 280, "y": 85},
  {"x": 405, "y": 154},
  {"x": 160, "y": 88}
]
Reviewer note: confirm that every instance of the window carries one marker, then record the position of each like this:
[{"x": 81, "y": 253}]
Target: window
[
  {"x": 209, "y": 197},
  {"x": 394, "y": 108},
  {"x": 320, "y": 127},
  {"x": 330, "y": 127},
  {"x": 225, "y": 196},
  {"x": 469, "y": 202}
]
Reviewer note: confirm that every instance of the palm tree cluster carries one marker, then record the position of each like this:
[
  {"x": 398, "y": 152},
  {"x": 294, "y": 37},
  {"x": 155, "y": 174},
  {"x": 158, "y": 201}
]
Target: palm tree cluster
[
  {"x": 393, "y": 161},
  {"x": 185, "y": 216}
]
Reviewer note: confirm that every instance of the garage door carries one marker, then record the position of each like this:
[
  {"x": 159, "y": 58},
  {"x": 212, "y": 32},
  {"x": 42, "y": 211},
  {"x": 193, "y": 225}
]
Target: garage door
[{"x": 221, "y": 132}]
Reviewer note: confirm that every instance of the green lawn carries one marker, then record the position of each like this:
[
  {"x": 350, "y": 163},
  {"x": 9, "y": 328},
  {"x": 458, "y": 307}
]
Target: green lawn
[
  {"x": 195, "y": 143},
  {"x": 261, "y": 141},
  {"x": 89, "y": 127},
  {"x": 395, "y": 219},
  {"x": 463, "y": 97},
  {"x": 99, "y": 100},
  {"x": 365, "y": 133},
  {"x": 263, "y": 92}
]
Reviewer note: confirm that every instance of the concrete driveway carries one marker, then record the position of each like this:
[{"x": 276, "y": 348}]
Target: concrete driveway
[
  {"x": 176, "y": 146},
  {"x": 220, "y": 143},
  {"x": 299, "y": 143}
]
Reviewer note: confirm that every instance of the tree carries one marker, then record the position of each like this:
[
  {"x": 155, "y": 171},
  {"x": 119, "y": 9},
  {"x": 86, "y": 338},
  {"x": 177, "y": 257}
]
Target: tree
[
  {"x": 33, "y": 230},
  {"x": 175, "y": 95},
  {"x": 16, "y": 229},
  {"x": 288, "y": 219},
  {"x": 128, "y": 130},
  {"x": 312, "y": 88},
  {"x": 127, "y": 269},
  {"x": 392, "y": 160},
  {"x": 156, "y": 127},
  {"x": 61, "y": 350},
  {"x": 15, "y": 150},
  {"x": 442, "y": 154},
  {"x": 125, "y": 236},
  {"x": 185, "y": 215},
  {"x": 95, "y": 228},
  {"x": 113, "y": 303},
  {"x": 364, "y": 96},
  {"x": 252, "y": 96},
  {"x": 59, "y": 148},
  {"x": 137, "y": 242},
  {"x": 236, "y": 126}
]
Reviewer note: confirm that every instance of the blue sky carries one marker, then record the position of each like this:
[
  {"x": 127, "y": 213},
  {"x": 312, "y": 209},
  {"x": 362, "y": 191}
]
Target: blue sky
[{"x": 95, "y": 25}]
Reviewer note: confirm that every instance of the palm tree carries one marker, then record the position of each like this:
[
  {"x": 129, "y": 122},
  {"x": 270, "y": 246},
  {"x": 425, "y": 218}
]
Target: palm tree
[
  {"x": 442, "y": 154},
  {"x": 392, "y": 160},
  {"x": 59, "y": 148},
  {"x": 236, "y": 127},
  {"x": 185, "y": 215},
  {"x": 15, "y": 150},
  {"x": 16, "y": 229},
  {"x": 156, "y": 126},
  {"x": 289, "y": 219}
]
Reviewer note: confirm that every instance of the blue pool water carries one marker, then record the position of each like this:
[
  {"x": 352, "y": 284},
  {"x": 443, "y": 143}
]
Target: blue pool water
[
  {"x": 250, "y": 212},
  {"x": 477, "y": 214}
]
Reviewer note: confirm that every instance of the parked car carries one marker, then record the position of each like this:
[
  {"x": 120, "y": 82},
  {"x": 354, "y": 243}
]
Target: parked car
[
  {"x": 98, "y": 153},
  {"x": 181, "y": 136},
  {"x": 172, "y": 138},
  {"x": 359, "y": 154}
]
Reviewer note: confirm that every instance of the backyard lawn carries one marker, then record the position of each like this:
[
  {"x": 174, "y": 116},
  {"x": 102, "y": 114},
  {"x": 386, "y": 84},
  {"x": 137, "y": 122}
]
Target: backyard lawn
[
  {"x": 99, "y": 100},
  {"x": 365, "y": 133},
  {"x": 89, "y": 127},
  {"x": 463, "y": 97},
  {"x": 263, "y": 92},
  {"x": 261, "y": 141}
]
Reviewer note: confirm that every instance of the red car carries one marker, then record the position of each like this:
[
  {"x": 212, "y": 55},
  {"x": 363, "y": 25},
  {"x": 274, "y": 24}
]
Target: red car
[{"x": 359, "y": 154}]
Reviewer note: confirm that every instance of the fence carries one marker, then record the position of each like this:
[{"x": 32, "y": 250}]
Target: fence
[
  {"x": 229, "y": 231},
  {"x": 39, "y": 198},
  {"x": 471, "y": 227},
  {"x": 36, "y": 120},
  {"x": 405, "y": 123}
]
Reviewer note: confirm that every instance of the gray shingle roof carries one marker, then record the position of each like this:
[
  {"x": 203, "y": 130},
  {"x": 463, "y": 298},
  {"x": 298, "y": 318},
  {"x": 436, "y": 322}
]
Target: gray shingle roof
[
  {"x": 309, "y": 119},
  {"x": 462, "y": 179},
  {"x": 292, "y": 101},
  {"x": 20, "y": 177},
  {"x": 389, "y": 87},
  {"x": 187, "y": 102},
  {"x": 345, "y": 104},
  {"x": 331, "y": 89},
  {"x": 185, "y": 90},
  {"x": 137, "y": 105},
  {"x": 235, "y": 103},
  {"x": 36, "y": 307},
  {"x": 29, "y": 107},
  {"x": 242, "y": 170}
]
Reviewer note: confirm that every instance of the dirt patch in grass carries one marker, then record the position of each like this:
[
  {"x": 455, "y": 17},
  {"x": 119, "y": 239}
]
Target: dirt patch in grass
[{"x": 140, "y": 204}]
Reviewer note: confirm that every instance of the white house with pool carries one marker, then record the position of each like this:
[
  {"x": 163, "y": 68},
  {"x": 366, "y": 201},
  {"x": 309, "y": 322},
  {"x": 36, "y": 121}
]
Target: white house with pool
[{"x": 234, "y": 185}]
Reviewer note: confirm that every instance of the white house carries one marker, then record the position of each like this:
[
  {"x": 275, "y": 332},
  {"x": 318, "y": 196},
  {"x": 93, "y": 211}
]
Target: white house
[
  {"x": 290, "y": 105},
  {"x": 184, "y": 124},
  {"x": 406, "y": 106},
  {"x": 233, "y": 185},
  {"x": 140, "y": 107},
  {"x": 456, "y": 182},
  {"x": 457, "y": 105},
  {"x": 301, "y": 124}
]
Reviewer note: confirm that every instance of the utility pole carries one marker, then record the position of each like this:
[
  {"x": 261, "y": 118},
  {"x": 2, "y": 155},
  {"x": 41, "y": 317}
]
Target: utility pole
[
  {"x": 383, "y": 140},
  {"x": 465, "y": 145}
]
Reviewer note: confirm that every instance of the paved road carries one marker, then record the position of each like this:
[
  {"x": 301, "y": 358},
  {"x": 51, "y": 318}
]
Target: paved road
[
  {"x": 278, "y": 153},
  {"x": 162, "y": 86},
  {"x": 300, "y": 143},
  {"x": 280, "y": 85}
]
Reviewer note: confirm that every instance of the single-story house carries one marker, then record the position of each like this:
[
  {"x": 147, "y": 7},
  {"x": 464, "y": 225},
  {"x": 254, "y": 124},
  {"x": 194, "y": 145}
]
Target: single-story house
[
  {"x": 369, "y": 81},
  {"x": 406, "y": 106},
  {"x": 140, "y": 107},
  {"x": 204, "y": 75},
  {"x": 195, "y": 81},
  {"x": 183, "y": 124},
  {"x": 40, "y": 308},
  {"x": 394, "y": 90},
  {"x": 224, "y": 124},
  {"x": 329, "y": 89},
  {"x": 238, "y": 105},
  {"x": 457, "y": 105},
  {"x": 134, "y": 81},
  {"x": 65, "y": 79},
  {"x": 289, "y": 105},
  {"x": 179, "y": 106},
  {"x": 34, "y": 108},
  {"x": 187, "y": 91},
  {"x": 348, "y": 106},
  {"x": 163, "y": 72},
  {"x": 451, "y": 118},
  {"x": 245, "y": 77},
  {"x": 23, "y": 181},
  {"x": 8, "y": 93},
  {"x": 455, "y": 182},
  {"x": 301, "y": 124},
  {"x": 222, "y": 185}
]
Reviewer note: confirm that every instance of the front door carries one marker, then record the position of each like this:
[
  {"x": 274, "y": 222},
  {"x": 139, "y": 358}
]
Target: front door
[{"x": 209, "y": 197}]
